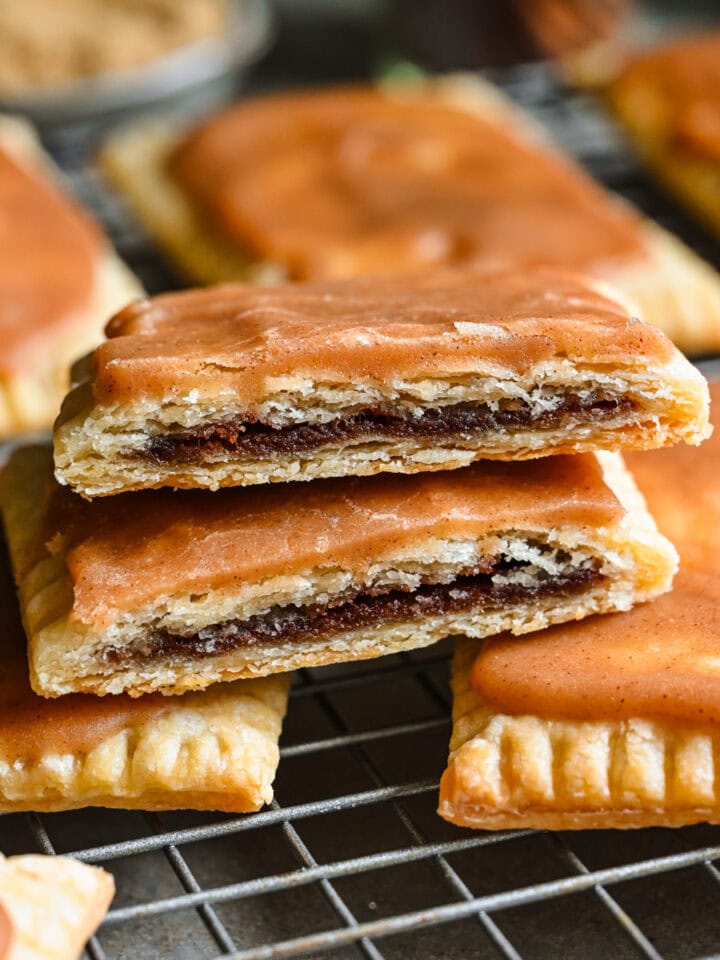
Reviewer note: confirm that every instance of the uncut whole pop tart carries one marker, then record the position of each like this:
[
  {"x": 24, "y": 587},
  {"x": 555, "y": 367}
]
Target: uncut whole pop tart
[
  {"x": 350, "y": 181},
  {"x": 613, "y": 722},
  {"x": 238, "y": 385},
  {"x": 216, "y": 750},
  {"x": 173, "y": 591}
]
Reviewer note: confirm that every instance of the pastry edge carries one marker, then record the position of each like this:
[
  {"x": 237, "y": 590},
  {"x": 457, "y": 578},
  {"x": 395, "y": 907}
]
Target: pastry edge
[
  {"x": 216, "y": 750},
  {"x": 505, "y": 772},
  {"x": 53, "y": 904}
]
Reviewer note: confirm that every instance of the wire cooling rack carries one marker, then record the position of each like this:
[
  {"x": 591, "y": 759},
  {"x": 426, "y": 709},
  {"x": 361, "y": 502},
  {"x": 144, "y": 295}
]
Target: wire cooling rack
[{"x": 351, "y": 860}]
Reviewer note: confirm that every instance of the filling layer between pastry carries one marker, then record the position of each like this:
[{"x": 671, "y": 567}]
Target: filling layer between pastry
[
  {"x": 247, "y": 439},
  {"x": 505, "y": 584}
]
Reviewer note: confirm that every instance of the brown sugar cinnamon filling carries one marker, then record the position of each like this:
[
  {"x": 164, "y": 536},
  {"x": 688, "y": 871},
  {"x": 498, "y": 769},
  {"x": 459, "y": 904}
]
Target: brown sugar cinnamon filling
[
  {"x": 247, "y": 439},
  {"x": 476, "y": 592}
]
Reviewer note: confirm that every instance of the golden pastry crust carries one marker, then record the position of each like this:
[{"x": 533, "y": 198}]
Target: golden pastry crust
[
  {"x": 508, "y": 772},
  {"x": 50, "y": 906},
  {"x": 294, "y": 361},
  {"x": 648, "y": 101},
  {"x": 672, "y": 286},
  {"x": 94, "y": 626},
  {"x": 30, "y": 395}
]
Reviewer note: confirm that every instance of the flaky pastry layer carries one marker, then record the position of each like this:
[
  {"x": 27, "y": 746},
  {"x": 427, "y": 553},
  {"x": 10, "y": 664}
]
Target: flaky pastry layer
[
  {"x": 673, "y": 287},
  {"x": 631, "y": 560},
  {"x": 102, "y": 449},
  {"x": 50, "y": 906},
  {"x": 508, "y": 772},
  {"x": 173, "y": 676},
  {"x": 30, "y": 397}
]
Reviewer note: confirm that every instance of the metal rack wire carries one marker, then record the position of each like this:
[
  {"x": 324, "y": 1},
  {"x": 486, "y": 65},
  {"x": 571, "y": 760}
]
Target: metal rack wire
[{"x": 351, "y": 859}]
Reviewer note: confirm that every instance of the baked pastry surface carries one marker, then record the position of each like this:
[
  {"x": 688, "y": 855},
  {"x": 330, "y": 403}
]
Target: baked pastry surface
[
  {"x": 50, "y": 906},
  {"x": 416, "y": 170},
  {"x": 216, "y": 750},
  {"x": 249, "y": 582},
  {"x": 59, "y": 281},
  {"x": 614, "y": 722},
  {"x": 667, "y": 100},
  {"x": 240, "y": 385}
]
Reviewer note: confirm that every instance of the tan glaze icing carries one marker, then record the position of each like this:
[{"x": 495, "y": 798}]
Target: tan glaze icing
[
  {"x": 32, "y": 727},
  {"x": 49, "y": 256},
  {"x": 238, "y": 337},
  {"x": 679, "y": 84},
  {"x": 660, "y": 659},
  {"x": 125, "y": 551},
  {"x": 350, "y": 180}
]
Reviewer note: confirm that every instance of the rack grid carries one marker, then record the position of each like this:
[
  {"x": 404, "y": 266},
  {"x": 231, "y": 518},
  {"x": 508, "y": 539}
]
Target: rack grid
[{"x": 351, "y": 860}]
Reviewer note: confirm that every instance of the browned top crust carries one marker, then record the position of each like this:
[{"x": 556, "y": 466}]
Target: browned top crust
[
  {"x": 347, "y": 181},
  {"x": 676, "y": 88},
  {"x": 50, "y": 250},
  {"x": 240, "y": 338},
  {"x": 659, "y": 660},
  {"x": 125, "y": 551}
]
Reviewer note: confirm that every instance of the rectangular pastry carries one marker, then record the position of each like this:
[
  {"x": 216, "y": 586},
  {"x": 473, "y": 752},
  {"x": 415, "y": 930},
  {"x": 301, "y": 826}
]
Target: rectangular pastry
[
  {"x": 613, "y": 722},
  {"x": 239, "y": 384},
  {"x": 50, "y": 906},
  {"x": 404, "y": 177},
  {"x": 174, "y": 591},
  {"x": 216, "y": 750},
  {"x": 59, "y": 279},
  {"x": 668, "y": 101}
]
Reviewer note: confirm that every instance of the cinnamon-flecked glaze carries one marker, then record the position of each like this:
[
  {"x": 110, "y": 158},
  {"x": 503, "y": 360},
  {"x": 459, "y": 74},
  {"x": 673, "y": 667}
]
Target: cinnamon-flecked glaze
[
  {"x": 238, "y": 337},
  {"x": 677, "y": 88},
  {"x": 660, "y": 659},
  {"x": 48, "y": 258},
  {"x": 354, "y": 181},
  {"x": 127, "y": 550},
  {"x": 32, "y": 727}
]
